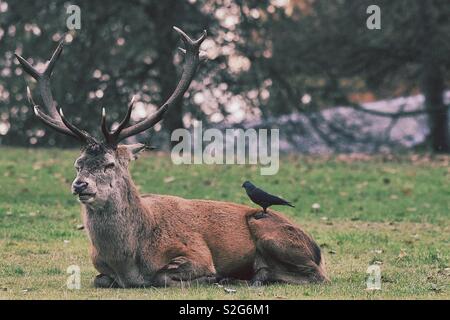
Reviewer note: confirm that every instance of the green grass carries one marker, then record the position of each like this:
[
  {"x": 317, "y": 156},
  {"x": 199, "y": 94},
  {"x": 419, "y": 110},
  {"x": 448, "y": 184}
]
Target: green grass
[{"x": 393, "y": 212}]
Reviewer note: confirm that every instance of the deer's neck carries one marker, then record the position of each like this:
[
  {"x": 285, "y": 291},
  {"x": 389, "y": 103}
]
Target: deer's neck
[{"x": 119, "y": 222}]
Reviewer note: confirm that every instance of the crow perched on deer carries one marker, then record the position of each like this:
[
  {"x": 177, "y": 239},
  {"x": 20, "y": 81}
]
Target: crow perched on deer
[
  {"x": 262, "y": 198},
  {"x": 160, "y": 240}
]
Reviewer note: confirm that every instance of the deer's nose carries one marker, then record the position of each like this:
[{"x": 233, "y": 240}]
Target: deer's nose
[{"x": 79, "y": 186}]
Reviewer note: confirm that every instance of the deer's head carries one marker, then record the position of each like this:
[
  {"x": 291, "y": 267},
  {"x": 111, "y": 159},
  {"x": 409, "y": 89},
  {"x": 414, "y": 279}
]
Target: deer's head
[
  {"x": 103, "y": 164},
  {"x": 102, "y": 170}
]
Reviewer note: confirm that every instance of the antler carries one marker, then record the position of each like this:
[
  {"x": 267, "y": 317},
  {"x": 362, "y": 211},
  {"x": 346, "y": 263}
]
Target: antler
[
  {"x": 58, "y": 122},
  {"x": 53, "y": 119},
  {"x": 112, "y": 138},
  {"x": 191, "y": 63}
]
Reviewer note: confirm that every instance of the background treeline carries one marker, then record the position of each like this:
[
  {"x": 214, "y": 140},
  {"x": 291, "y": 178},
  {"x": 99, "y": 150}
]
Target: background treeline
[{"x": 267, "y": 59}]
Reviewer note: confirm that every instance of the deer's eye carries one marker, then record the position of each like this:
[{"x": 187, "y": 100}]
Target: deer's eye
[
  {"x": 109, "y": 166},
  {"x": 77, "y": 168}
]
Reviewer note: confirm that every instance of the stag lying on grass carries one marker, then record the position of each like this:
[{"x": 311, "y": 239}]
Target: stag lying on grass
[{"x": 160, "y": 240}]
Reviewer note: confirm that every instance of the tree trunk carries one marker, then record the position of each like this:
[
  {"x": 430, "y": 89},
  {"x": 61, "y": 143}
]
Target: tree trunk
[
  {"x": 433, "y": 84},
  {"x": 168, "y": 76},
  {"x": 173, "y": 119},
  {"x": 438, "y": 117}
]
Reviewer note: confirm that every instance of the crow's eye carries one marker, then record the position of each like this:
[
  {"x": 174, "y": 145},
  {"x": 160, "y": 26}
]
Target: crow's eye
[{"x": 109, "y": 166}]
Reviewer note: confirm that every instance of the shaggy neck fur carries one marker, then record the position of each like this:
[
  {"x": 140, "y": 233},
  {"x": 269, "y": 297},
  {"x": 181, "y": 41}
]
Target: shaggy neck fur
[{"x": 113, "y": 227}]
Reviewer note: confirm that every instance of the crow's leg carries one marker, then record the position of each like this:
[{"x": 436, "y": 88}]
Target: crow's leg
[{"x": 261, "y": 214}]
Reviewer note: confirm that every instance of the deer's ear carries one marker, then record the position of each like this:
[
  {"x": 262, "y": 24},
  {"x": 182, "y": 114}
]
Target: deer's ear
[{"x": 135, "y": 149}]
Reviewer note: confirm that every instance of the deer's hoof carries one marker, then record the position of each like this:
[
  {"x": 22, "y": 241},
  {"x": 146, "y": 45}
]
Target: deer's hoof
[{"x": 104, "y": 281}]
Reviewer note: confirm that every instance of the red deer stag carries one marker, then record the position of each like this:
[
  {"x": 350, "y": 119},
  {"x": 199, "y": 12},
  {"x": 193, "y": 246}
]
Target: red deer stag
[{"x": 160, "y": 240}]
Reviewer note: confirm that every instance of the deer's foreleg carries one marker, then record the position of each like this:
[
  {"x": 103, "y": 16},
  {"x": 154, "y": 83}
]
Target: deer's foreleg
[{"x": 184, "y": 270}]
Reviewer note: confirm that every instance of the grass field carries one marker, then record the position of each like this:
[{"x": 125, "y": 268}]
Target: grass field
[{"x": 390, "y": 212}]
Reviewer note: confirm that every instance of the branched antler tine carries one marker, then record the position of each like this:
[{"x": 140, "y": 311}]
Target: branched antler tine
[
  {"x": 50, "y": 122},
  {"x": 47, "y": 96},
  {"x": 51, "y": 64},
  {"x": 191, "y": 63},
  {"x": 200, "y": 40},
  {"x": 105, "y": 130},
  {"x": 53, "y": 119},
  {"x": 127, "y": 118},
  {"x": 30, "y": 97},
  {"x": 188, "y": 41},
  {"x": 43, "y": 79},
  {"x": 112, "y": 137},
  {"x": 82, "y": 135},
  {"x": 44, "y": 82},
  {"x": 27, "y": 67}
]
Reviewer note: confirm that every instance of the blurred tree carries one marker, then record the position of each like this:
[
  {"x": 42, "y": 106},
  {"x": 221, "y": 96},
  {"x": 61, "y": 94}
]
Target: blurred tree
[
  {"x": 123, "y": 48},
  {"x": 317, "y": 54},
  {"x": 267, "y": 58}
]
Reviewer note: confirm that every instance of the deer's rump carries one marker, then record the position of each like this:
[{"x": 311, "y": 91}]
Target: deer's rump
[{"x": 218, "y": 227}]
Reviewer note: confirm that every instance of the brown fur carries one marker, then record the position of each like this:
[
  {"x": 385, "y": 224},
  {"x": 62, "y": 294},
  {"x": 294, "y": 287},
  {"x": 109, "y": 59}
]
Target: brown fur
[{"x": 159, "y": 240}]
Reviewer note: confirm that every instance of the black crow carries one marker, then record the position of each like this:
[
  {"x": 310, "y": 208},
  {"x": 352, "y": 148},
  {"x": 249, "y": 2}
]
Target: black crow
[{"x": 263, "y": 198}]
